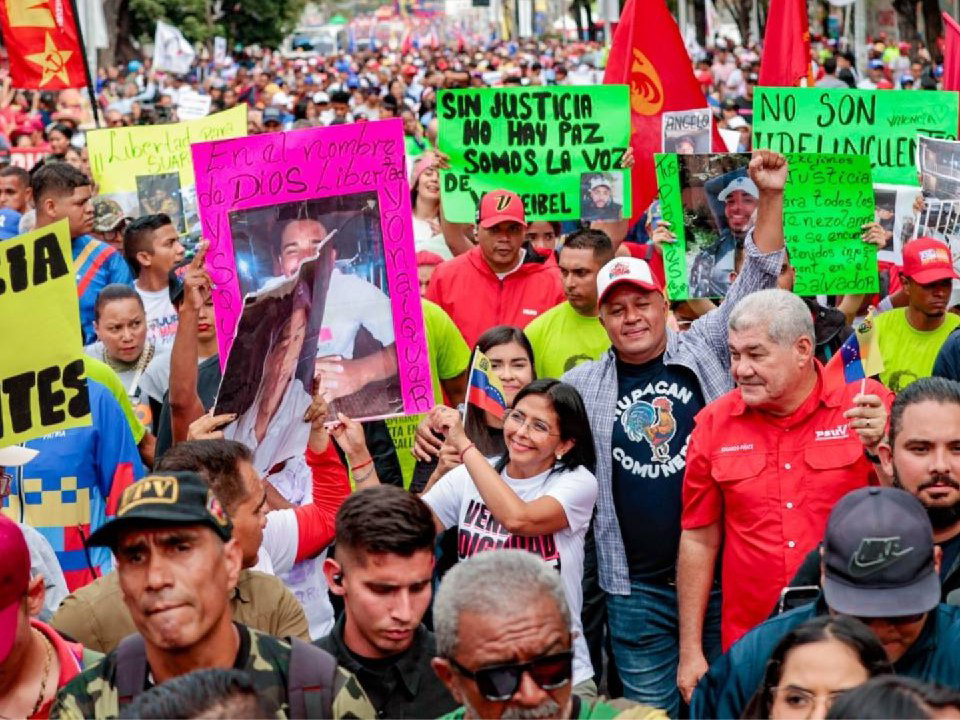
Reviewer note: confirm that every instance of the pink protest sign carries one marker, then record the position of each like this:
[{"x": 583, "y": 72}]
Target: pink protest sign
[{"x": 269, "y": 202}]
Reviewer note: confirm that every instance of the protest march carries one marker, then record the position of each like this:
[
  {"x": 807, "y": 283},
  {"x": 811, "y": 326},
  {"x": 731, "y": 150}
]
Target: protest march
[{"x": 480, "y": 359}]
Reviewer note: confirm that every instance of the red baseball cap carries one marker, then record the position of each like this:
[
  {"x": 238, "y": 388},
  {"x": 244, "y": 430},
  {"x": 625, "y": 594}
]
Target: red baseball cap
[
  {"x": 500, "y": 206},
  {"x": 926, "y": 260},
  {"x": 14, "y": 580}
]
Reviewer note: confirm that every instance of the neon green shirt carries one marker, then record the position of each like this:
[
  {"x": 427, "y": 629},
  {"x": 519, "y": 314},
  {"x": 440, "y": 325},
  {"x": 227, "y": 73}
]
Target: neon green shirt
[
  {"x": 102, "y": 373},
  {"x": 908, "y": 354},
  {"x": 562, "y": 338}
]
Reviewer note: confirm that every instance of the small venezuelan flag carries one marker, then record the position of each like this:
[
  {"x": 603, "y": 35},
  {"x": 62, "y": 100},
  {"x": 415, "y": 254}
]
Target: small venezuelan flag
[
  {"x": 485, "y": 390},
  {"x": 859, "y": 357}
]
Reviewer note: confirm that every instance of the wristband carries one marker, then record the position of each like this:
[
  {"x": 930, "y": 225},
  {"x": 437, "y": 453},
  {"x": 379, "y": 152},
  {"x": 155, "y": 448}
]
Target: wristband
[
  {"x": 464, "y": 451},
  {"x": 357, "y": 480},
  {"x": 361, "y": 465}
]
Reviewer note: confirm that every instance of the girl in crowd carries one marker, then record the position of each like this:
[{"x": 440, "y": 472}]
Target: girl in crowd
[
  {"x": 538, "y": 496},
  {"x": 425, "y": 201},
  {"x": 813, "y": 665}
]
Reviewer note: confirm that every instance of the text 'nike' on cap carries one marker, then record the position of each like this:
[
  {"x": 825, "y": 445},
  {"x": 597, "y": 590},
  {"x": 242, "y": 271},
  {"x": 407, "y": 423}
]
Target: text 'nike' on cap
[{"x": 879, "y": 555}]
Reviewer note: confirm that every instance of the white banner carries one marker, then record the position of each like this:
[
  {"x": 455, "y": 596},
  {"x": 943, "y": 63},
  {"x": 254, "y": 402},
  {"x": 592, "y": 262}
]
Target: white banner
[
  {"x": 171, "y": 51},
  {"x": 192, "y": 105}
]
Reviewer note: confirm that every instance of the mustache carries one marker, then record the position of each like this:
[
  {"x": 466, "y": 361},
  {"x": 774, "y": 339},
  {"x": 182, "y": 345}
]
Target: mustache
[
  {"x": 544, "y": 710},
  {"x": 939, "y": 479}
]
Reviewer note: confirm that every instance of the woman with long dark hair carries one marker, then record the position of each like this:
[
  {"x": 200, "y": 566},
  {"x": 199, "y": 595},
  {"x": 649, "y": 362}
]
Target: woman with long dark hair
[{"x": 538, "y": 496}]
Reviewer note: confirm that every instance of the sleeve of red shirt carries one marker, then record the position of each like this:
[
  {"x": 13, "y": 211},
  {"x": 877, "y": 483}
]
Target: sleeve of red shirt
[
  {"x": 316, "y": 523},
  {"x": 433, "y": 287},
  {"x": 702, "y": 500}
]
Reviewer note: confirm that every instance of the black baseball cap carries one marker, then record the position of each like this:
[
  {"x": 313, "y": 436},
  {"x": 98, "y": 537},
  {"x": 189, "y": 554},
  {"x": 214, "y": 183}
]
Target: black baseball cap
[
  {"x": 729, "y": 104},
  {"x": 879, "y": 555},
  {"x": 171, "y": 498}
]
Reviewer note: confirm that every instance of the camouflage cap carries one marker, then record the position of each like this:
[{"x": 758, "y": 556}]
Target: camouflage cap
[
  {"x": 171, "y": 498},
  {"x": 107, "y": 215}
]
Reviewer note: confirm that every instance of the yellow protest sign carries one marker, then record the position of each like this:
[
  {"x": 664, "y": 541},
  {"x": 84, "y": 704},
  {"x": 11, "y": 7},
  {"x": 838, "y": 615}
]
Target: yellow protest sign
[
  {"x": 148, "y": 169},
  {"x": 42, "y": 383}
]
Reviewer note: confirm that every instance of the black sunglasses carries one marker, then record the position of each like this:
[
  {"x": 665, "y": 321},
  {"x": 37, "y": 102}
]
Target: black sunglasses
[{"x": 500, "y": 682}]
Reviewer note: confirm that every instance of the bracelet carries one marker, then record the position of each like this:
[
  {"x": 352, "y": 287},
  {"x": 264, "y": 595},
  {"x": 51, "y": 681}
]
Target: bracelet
[
  {"x": 361, "y": 465},
  {"x": 464, "y": 451},
  {"x": 357, "y": 480}
]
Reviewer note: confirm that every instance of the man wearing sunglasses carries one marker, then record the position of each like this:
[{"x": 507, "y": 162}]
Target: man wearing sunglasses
[
  {"x": 504, "y": 644},
  {"x": 879, "y": 564}
]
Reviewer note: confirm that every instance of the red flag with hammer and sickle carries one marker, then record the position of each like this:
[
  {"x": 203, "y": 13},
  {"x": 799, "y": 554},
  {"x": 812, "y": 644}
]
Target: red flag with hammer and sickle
[
  {"x": 648, "y": 54},
  {"x": 43, "y": 44}
]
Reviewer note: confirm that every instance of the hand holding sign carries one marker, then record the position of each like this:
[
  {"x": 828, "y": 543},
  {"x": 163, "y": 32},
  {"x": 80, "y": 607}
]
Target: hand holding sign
[
  {"x": 196, "y": 280},
  {"x": 315, "y": 415},
  {"x": 874, "y": 234},
  {"x": 208, "y": 427},
  {"x": 338, "y": 377}
]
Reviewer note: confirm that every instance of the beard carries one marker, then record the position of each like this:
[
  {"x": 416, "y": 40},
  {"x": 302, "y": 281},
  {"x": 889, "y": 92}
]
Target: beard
[{"x": 941, "y": 518}]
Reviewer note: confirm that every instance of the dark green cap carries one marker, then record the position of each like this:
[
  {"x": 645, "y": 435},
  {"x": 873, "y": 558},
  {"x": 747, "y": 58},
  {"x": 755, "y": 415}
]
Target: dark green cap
[{"x": 171, "y": 498}]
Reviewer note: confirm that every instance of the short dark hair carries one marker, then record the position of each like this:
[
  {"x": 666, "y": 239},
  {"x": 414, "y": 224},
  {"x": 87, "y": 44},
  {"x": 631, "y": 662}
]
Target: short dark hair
[
  {"x": 217, "y": 462},
  {"x": 590, "y": 239},
  {"x": 18, "y": 172},
  {"x": 894, "y": 696},
  {"x": 384, "y": 519},
  {"x": 137, "y": 237},
  {"x": 844, "y": 629},
  {"x": 211, "y": 692},
  {"x": 58, "y": 178},
  {"x": 830, "y": 65},
  {"x": 63, "y": 129},
  {"x": 928, "y": 389},
  {"x": 572, "y": 418},
  {"x": 115, "y": 291}
]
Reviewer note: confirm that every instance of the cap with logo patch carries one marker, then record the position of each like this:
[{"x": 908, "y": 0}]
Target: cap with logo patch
[
  {"x": 172, "y": 498},
  {"x": 879, "y": 555},
  {"x": 926, "y": 260},
  {"x": 499, "y": 206},
  {"x": 626, "y": 270},
  {"x": 107, "y": 214},
  {"x": 741, "y": 184}
]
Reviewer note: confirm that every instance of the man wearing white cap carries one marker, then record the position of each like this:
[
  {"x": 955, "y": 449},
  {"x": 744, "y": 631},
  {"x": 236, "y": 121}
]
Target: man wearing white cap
[
  {"x": 641, "y": 397},
  {"x": 599, "y": 204}
]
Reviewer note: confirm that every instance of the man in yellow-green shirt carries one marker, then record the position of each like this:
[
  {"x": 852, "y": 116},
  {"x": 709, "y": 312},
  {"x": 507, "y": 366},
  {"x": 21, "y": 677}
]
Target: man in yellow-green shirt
[
  {"x": 571, "y": 333},
  {"x": 910, "y": 337}
]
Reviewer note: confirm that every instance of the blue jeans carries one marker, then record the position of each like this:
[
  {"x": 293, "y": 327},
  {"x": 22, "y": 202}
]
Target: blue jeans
[{"x": 644, "y": 628}]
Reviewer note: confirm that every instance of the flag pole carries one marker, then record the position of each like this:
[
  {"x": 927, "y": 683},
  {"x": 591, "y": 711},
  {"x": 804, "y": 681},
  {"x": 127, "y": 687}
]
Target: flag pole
[{"x": 86, "y": 67}]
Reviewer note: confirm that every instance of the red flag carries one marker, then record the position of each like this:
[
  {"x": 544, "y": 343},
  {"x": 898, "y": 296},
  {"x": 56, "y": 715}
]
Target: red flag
[
  {"x": 43, "y": 44},
  {"x": 951, "y": 55},
  {"x": 648, "y": 54},
  {"x": 786, "y": 45}
]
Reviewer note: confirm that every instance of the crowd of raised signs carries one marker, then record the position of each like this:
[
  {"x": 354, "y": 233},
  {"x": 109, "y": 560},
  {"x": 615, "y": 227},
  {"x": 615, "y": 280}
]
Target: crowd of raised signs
[{"x": 738, "y": 501}]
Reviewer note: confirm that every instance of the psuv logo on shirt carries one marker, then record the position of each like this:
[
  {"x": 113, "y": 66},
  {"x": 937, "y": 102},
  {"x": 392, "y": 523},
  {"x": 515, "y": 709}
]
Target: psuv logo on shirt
[{"x": 837, "y": 433}]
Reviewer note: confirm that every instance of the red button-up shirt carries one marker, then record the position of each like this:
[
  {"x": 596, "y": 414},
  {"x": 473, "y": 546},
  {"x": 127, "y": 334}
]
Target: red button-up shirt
[{"x": 772, "y": 481}]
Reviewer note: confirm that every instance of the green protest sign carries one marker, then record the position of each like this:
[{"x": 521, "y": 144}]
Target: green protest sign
[
  {"x": 881, "y": 125},
  {"x": 559, "y": 148},
  {"x": 710, "y": 203}
]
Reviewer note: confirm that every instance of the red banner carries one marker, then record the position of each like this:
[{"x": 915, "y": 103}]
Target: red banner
[
  {"x": 43, "y": 44},
  {"x": 786, "y": 45},
  {"x": 951, "y": 55}
]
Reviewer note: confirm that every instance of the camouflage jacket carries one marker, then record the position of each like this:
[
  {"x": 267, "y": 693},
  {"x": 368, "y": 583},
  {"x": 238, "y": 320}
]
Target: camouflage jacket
[{"x": 93, "y": 693}]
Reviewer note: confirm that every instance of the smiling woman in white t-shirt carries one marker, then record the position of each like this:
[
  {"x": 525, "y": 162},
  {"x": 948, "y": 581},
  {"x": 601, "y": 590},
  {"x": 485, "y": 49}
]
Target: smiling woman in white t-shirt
[{"x": 538, "y": 497}]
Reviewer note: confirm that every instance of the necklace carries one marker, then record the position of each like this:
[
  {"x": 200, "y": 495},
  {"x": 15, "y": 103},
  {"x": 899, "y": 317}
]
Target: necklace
[{"x": 46, "y": 673}]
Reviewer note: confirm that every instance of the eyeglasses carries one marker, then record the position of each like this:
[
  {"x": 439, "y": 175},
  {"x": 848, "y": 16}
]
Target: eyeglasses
[
  {"x": 501, "y": 682},
  {"x": 802, "y": 700},
  {"x": 536, "y": 428}
]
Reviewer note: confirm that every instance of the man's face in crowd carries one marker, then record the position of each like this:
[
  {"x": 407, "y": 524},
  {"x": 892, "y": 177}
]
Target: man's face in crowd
[
  {"x": 916, "y": 69},
  {"x": 424, "y": 273},
  {"x": 122, "y": 328},
  {"x": 541, "y": 235},
  {"x": 767, "y": 372},
  {"x": 925, "y": 459},
  {"x": 14, "y": 194},
  {"x": 579, "y": 268},
  {"x": 176, "y": 582},
  {"x": 206, "y": 322},
  {"x": 229, "y": 98},
  {"x": 385, "y": 596},
  {"x": 76, "y": 207},
  {"x": 636, "y": 321},
  {"x": 299, "y": 242},
  {"x": 501, "y": 244},
  {"x": 600, "y": 196},
  {"x": 410, "y": 122},
  {"x": 167, "y": 252},
  {"x": 282, "y": 360},
  {"x": 739, "y": 209},
  {"x": 929, "y": 299},
  {"x": 340, "y": 109},
  {"x": 484, "y": 640},
  {"x": 249, "y": 517},
  {"x": 262, "y": 81}
]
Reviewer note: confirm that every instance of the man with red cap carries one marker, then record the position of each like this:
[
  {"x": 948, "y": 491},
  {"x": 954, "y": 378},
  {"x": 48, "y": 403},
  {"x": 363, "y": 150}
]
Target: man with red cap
[
  {"x": 501, "y": 281},
  {"x": 35, "y": 661},
  {"x": 910, "y": 337}
]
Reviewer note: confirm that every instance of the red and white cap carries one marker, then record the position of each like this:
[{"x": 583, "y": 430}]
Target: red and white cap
[
  {"x": 499, "y": 206},
  {"x": 626, "y": 270},
  {"x": 926, "y": 260}
]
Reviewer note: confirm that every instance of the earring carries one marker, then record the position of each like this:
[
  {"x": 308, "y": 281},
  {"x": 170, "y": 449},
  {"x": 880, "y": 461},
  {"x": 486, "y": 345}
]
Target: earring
[{"x": 559, "y": 456}]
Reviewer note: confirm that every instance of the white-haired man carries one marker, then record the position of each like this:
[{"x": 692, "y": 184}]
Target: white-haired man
[{"x": 766, "y": 463}]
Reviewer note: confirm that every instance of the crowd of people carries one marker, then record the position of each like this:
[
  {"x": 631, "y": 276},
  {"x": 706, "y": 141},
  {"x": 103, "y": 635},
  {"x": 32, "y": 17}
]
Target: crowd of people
[{"x": 680, "y": 513}]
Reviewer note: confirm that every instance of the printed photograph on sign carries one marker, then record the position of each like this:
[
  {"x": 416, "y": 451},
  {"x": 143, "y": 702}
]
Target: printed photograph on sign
[
  {"x": 269, "y": 377},
  {"x": 356, "y": 357},
  {"x": 601, "y": 196},
  {"x": 938, "y": 162},
  {"x": 894, "y": 212},
  {"x": 687, "y": 132},
  {"x": 161, "y": 194}
]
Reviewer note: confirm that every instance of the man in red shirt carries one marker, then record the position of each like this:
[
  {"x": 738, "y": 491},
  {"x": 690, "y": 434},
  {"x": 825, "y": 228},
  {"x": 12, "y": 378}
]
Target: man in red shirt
[
  {"x": 766, "y": 464},
  {"x": 501, "y": 281}
]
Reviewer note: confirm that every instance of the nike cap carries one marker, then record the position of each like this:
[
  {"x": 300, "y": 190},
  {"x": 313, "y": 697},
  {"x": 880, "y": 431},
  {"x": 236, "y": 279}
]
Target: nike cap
[{"x": 878, "y": 555}]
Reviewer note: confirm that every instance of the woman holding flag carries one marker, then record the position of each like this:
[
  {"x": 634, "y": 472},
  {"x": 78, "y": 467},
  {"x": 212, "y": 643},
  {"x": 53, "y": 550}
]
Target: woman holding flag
[{"x": 538, "y": 496}]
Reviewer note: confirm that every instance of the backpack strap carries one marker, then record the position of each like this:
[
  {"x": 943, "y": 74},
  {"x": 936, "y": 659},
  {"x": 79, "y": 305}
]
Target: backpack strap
[
  {"x": 131, "y": 668},
  {"x": 311, "y": 680}
]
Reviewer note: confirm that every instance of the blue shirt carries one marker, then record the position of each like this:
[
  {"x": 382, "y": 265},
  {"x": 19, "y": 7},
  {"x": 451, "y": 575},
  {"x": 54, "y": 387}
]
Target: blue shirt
[{"x": 97, "y": 265}]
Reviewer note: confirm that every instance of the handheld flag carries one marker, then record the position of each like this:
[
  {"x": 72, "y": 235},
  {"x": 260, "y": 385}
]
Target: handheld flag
[
  {"x": 171, "y": 50},
  {"x": 485, "y": 390},
  {"x": 43, "y": 44},
  {"x": 859, "y": 357},
  {"x": 786, "y": 45}
]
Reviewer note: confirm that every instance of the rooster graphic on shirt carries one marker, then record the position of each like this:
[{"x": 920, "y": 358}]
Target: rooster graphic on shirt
[{"x": 653, "y": 422}]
